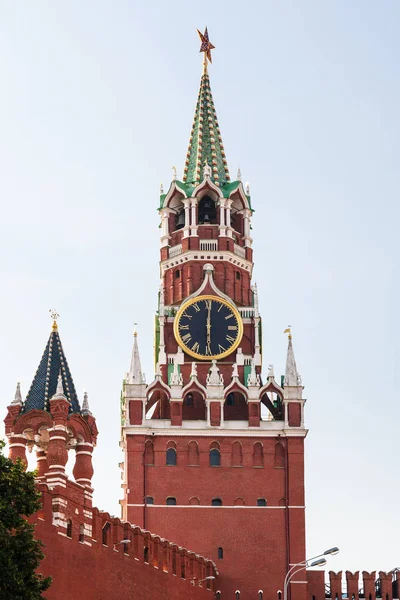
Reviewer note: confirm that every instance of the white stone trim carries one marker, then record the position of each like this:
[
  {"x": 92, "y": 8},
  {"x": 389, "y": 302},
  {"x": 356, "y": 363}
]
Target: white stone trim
[
  {"x": 206, "y": 256},
  {"x": 17, "y": 444},
  {"x": 83, "y": 452},
  {"x": 162, "y": 427}
]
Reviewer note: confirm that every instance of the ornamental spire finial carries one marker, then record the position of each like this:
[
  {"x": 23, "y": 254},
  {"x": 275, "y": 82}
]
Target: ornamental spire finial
[
  {"x": 206, "y": 47},
  {"x": 54, "y": 315}
]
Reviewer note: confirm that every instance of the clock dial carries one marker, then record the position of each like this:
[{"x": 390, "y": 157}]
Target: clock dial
[{"x": 208, "y": 327}]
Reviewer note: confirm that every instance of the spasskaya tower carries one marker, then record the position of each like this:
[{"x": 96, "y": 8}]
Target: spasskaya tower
[{"x": 213, "y": 449}]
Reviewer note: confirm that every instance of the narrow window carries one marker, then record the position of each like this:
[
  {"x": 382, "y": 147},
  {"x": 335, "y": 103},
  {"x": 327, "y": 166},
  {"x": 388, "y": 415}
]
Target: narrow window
[
  {"x": 215, "y": 458},
  {"x": 230, "y": 399},
  {"x": 189, "y": 400},
  {"x": 126, "y": 546},
  {"x": 69, "y": 528},
  {"x": 238, "y": 275},
  {"x": 177, "y": 274},
  {"x": 171, "y": 457},
  {"x": 81, "y": 533},
  {"x": 149, "y": 500},
  {"x": 220, "y": 552},
  {"x": 261, "y": 502},
  {"x": 171, "y": 501},
  {"x": 146, "y": 554},
  {"x": 104, "y": 534},
  {"x": 216, "y": 502}
]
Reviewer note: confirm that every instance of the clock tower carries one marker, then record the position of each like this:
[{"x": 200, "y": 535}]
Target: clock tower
[{"x": 213, "y": 449}]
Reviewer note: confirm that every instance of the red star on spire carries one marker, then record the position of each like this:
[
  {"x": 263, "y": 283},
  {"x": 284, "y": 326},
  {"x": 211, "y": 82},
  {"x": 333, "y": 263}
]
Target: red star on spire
[{"x": 206, "y": 46}]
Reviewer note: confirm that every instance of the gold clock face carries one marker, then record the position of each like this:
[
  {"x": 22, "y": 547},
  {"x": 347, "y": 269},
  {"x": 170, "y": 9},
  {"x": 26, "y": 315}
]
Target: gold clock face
[{"x": 208, "y": 327}]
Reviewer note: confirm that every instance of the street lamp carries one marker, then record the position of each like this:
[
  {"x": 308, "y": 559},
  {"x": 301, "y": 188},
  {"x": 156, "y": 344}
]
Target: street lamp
[
  {"x": 194, "y": 581},
  {"x": 318, "y": 561}
]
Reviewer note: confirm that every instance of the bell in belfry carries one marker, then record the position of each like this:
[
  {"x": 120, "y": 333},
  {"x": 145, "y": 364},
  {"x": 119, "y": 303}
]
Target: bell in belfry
[{"x": 180, "y": 221}]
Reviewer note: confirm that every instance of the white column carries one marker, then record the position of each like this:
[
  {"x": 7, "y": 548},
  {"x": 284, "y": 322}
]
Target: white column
[
  {"x": 164, "y": 226},
  {"x": 246, "y": 222},
  {"x": 228, "y": 217},
  {"x": 186, "y": 229},
  {"x": 208, "y": 413},
  {"x": 193, "y": 230},
  {"x": 222, "y": 223}
]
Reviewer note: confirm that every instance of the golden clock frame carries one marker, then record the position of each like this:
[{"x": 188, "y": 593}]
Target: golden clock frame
[{"x": 231, "y": 307}]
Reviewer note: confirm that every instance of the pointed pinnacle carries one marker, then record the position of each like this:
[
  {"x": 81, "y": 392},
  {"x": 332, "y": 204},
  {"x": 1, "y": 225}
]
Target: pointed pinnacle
[
  {"x": 85, "y": 404},
  {"x": 17, "y": 397},
  {"x": 60, "y": 388}
]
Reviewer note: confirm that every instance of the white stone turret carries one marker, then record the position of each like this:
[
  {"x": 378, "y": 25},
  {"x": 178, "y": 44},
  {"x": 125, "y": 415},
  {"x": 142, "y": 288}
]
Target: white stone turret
[
  {"x": 60, "y": 388},
  {"x": 17, "y": 397},
  {"x": 135, "y": 375},
  {"x": 85, "y": 404},
  {"x": 292, "y": 377}
]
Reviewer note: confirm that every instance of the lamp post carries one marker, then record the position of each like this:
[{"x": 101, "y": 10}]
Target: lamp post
[
  {"x": 195, "y": 580},
  {"x": 318, "y": 561}
]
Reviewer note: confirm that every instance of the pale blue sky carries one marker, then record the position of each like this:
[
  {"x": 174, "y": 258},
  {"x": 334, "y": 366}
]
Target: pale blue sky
[{"x": 96, "y": 107}]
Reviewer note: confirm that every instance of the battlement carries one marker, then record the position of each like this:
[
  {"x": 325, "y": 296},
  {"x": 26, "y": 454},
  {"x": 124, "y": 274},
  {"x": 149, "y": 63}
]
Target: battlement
[
  {"x": 100, "y": 556},
  {"x": 385, "y": 585}
]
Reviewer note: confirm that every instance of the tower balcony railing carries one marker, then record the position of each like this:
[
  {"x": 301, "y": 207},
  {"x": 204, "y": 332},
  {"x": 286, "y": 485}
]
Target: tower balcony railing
[
  {"x": 246, "y": 312},
  {"x": 239, "y": 251},
  {"x": 208, "y": 245},
  {"x": 175, "y": 251}
]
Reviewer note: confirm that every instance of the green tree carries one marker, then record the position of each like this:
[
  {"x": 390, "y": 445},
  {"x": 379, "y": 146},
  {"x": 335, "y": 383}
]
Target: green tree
[{"x": 20, "y": 552}]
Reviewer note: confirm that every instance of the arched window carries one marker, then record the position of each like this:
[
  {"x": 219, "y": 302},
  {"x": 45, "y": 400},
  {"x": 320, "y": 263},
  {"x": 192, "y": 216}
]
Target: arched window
[
  {"x": 215, "y": 458},
  {"x": 171, "y": 457},
  {"x": 81, "y": 533},
  {"x": 216, "y": 502},
  {"x": 177, "y": 274},
  {"x": 230, "y": 399},
  {"x": 171, "y": 501},
  {"x": 238, "y": 275},
  {"x": 104, "y": 534},
  {"x": 207, "y": 211},
  {"x": 194, "y": 501},
  {"x": 261, "y": 502},
  {"x": 69, "y": 528},
  {"x": 146, "y": 554},
  {"x": 239, "y": 502},
  {"x": 236, "y": 458},
  {"x": 258, "y": 455},
  {"x": 149, "y": 500},
  {"x": 193, "y": 454},
  {"x": 149, "y": 453},
  {"x": 189, "y": 400},
  {"x": 279, "y": 459},
  {"x": 220, "y": 552}
]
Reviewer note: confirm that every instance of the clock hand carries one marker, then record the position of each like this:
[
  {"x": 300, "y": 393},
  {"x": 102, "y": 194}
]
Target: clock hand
[{"x": 208, "y": 325}]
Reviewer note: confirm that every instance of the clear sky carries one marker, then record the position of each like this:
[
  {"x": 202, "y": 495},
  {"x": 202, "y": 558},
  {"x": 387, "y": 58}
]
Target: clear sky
[{"x": 96, "y": 107}]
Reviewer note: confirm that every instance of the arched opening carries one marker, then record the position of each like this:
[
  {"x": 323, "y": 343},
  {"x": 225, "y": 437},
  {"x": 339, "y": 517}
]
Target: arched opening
[
  {"x": 158, "y": 406},
  {"x": 215, "y": 458},
  {"x": 170, "y": 458},
  {"x": 258, "y": 455},
  {"x": 105, "y": 534},
  {"x": 194, "y": 407},
  {"x": 149, "y": 453},
  {"x": 274, "y": 404},
  {"x": 239, "y": 502},
  {"x": 180, "y": 218},
  {"x": 207, "y": 211},
  {"x": 193, "y": 454},
  {"x": 146, "y": 554},
  {"x": 194, "y": 501},
  {"x": 149, "y": 500},
  {"x": 261, "y": 502},
  {"x": 69, "y": 528},
  {"x": 171, "y": 501},
  {"x": 216, "y": 502},
  {"x": 279, "y": 458},
  {"x": 81, "y": 534},
  {"x": 235, "y": 407},
  {"x": 237, "y": 456},
  {"x": 220, "y": 553}
]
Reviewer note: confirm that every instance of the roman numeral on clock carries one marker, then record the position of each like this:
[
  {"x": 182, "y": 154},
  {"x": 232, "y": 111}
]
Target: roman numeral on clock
[
  {"x": 229, "y": 316},
  {"x": 221, "y": 348},
  {"x": 183, "y": 327},
  {"x": 196, "y": 347},
  {"x": 232, "y": 327},
  {"x": 186, "y": 338},
  {"x": 229, "y": 338}
]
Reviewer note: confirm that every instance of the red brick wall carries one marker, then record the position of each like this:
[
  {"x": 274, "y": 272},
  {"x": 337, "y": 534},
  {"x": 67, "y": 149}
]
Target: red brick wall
[
  {"x": 253, "y": 538},
  {"x": 99, "y": 572}
]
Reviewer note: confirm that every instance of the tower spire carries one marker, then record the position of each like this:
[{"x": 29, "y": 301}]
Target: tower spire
[
  {"x": 205, "y": 144},
  {"x": 292, "y": 377},
  {"x": 135, "y": 372}
]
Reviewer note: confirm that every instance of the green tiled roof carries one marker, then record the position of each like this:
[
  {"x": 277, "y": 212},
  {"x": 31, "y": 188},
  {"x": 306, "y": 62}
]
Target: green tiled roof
[
  {"x": 205, "y": 144},
  {"x": 226, "y": 190}
]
